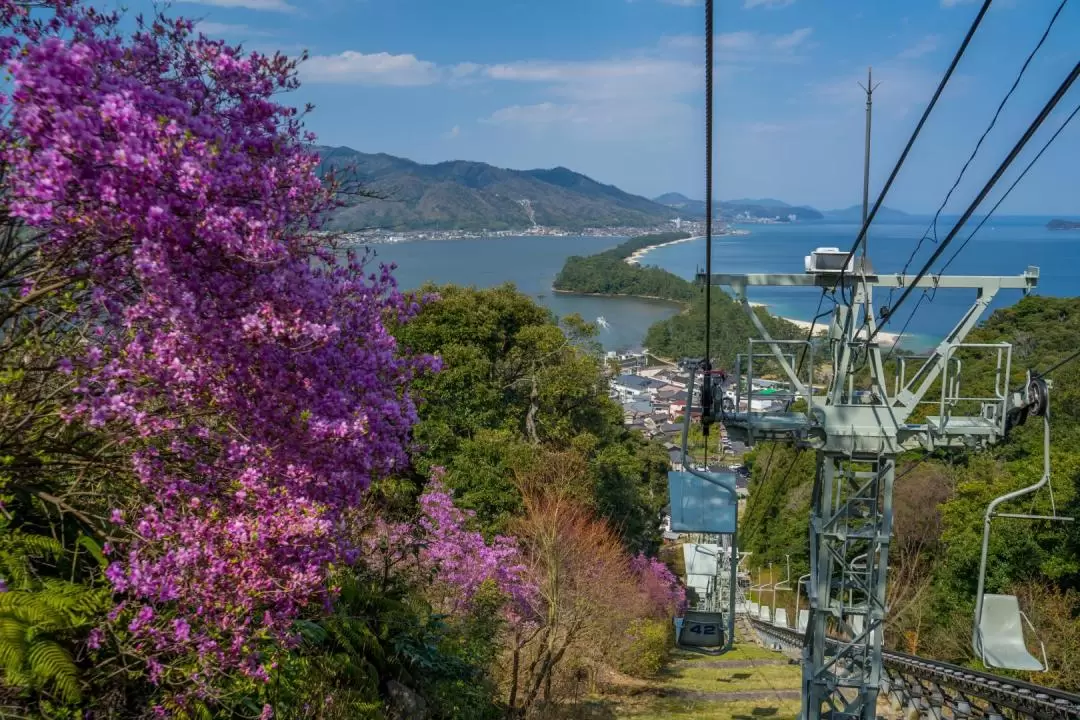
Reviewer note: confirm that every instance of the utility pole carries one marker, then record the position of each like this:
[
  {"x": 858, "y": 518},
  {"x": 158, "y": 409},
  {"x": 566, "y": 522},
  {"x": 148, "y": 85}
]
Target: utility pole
[
  {"x": 869, "y": 89},
  {"x": 857, "y": 441}
]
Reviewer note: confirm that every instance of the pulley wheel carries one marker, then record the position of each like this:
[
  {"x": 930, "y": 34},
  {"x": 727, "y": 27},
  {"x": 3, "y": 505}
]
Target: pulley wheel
[
  {"x": 1038, "y": 397},
  {"x": 727, "y": 404}
]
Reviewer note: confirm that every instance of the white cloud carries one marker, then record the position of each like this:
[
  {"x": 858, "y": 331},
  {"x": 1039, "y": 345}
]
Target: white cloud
[
  {"x": 357, "y": 68},
  {"x": 739, "y": 40},
  {"x": 604, "y": 78},
  {"x": 924, "y": 46},
  {"x": 216, "y": 29},
  {"x": 793, "y": 39},
  {"x": 465, "y": 69},
  {"x": 271, "y": 5},
  {"x": 767, "y": 3},
  {"x": 954, "y": 3},
  {"x": 603, "y": 100},
  {"x": 743, "y": 46},
  {"x": 543, "y": 113},
  {"x": 904, "y": 89},
  {"x": 453, "y": 132}
]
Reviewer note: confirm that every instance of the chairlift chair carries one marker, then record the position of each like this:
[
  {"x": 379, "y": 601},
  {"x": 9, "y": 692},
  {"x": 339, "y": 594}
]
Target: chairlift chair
[{"x": 998, "y": 634}]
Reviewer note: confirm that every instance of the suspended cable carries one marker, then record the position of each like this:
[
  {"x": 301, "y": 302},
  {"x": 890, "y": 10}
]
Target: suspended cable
[
  {"x": 911, "y": 141},
  {"x": 706, "y": 379},
  {"x": 1057, "y": 365},
  {"x": 1015, "y": 182},
  {"x": 932, "y": 227},
  {"x": 1067, "y": 83},
  {"x": 930, "y": 294}
]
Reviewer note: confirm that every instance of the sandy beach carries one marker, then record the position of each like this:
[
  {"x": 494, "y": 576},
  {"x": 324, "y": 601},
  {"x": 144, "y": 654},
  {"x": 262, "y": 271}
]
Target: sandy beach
[
  {"x": 635, "y": 257},
  {"x": 822, "y": 327}
]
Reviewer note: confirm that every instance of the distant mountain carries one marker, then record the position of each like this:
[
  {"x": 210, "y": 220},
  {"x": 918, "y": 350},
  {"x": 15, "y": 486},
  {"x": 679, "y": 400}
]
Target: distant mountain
[
  {"x": 1058, "y": 224},
  {"x": 686, "y": 206},
  {"x": 472, "y": 196},
  {"x": 884, "y": 214},
  {"x": 730, "y": 209},
  {"x": 761, "y": 202}
]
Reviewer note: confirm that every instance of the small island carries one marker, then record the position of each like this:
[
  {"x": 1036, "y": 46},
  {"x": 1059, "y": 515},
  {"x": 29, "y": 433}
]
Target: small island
[{"x": 1058, "y": 224}]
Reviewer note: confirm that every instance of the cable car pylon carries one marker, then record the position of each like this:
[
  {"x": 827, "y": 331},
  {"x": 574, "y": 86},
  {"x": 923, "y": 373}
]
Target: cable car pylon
[{"x": 858, "y": 437}]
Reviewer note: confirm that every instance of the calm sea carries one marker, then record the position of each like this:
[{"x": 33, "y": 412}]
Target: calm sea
[
  {"x": 531, "y": 263},
  {"x": 1005, "y": 246}
]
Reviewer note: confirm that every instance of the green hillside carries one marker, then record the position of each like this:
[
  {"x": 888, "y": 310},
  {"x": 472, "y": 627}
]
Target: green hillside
[{"x": 400, "y": 194}]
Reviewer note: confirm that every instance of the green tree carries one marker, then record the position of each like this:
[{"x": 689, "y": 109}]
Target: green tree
[{"x": 515, "y": 382}]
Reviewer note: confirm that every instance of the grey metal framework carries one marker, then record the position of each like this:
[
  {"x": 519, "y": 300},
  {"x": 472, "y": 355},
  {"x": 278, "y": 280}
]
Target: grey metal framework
[{"x": 858, "y": 437}]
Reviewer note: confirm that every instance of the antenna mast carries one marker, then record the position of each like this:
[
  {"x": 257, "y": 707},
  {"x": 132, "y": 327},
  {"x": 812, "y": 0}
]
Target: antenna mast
[{"x": 869, "y": 89}]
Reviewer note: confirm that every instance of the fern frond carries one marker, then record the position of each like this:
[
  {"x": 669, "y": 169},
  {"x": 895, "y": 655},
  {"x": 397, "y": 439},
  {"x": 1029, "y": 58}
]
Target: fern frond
[
  {"x": 50, "y": 663},
  {"x": 39, "y": 546},
  {"x": 29, "y": 608}
]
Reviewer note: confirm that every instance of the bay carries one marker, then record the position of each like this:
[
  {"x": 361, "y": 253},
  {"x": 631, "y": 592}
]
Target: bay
[
  {"x": 531, "y": 264},
  {"x": 1004, "y": 246}
]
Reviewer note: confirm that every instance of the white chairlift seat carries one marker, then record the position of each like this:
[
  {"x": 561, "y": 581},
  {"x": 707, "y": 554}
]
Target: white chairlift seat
[
  {"x": 765, "y": 613},
  {"x": 754, "y": 609},
  {"x": 804, "y": 620},
  {"x": 857, "y": 623},
  {"x": 1001, "y": 634},
  {"x": 781, "y": 618}
]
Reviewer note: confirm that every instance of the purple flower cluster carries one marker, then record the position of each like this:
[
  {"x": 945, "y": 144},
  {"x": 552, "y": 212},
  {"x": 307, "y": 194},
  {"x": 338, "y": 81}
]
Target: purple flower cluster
[
  {"x": 666, "y": 596},
  {"x": 246, "y": 368},
  {"x": 459, "y": 559}
]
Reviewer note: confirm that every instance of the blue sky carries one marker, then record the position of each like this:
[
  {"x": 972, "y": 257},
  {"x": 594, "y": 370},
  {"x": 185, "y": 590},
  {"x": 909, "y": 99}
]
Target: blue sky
[{"x": 614, "y": 88}]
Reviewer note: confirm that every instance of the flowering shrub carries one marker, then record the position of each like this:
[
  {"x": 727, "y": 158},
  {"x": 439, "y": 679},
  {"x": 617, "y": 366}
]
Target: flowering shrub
[
  {"x": 666, "y": 596},
  {"x": 247, "y": 369},
  {"x": 456, "y": 560}
]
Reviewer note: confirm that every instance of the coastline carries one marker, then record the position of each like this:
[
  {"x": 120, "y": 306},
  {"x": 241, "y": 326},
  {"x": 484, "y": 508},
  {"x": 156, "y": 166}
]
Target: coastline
[
  {"x": 887, "y": 338},
  {"x": 655, "y": 298},
  {"x": 637, "y": 255}
]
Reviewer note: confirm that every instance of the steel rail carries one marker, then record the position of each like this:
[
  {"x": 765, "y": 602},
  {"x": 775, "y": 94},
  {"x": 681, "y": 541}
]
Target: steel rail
[{"x": 1027, "y": 699}]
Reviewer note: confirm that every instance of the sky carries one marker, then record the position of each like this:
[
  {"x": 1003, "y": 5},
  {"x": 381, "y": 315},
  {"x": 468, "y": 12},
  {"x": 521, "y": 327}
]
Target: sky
[{"x": 615, "y": 89}]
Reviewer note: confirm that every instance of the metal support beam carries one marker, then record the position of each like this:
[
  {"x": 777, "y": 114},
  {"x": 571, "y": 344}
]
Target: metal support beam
[
  {"x": 857, "y": 444},
  {"x": 851, "y": 519}
]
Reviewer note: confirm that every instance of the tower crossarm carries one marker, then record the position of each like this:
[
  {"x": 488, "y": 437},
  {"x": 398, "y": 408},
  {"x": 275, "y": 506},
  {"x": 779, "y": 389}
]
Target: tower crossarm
[
  {"x": 738, "y": 283},
  {"x": 838, "y": 421}
]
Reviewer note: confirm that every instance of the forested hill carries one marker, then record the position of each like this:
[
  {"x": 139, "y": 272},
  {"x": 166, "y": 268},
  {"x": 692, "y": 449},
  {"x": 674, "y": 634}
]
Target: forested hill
[
  {"x": 732, "y": 209},
  {"x": 939, "y": 505},
  {"x": 400, "y": 194},
  {"x": 608, "y": 273}
]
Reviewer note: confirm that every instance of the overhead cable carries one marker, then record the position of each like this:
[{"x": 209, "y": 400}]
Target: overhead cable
[
  {"x": 706, "y": 385},
  {"x": 1066, "y": 84},
  {"x": 932, "y": 227},
  {"x": 914, "y": 135},
  {"x": 927, "y": 293}
]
